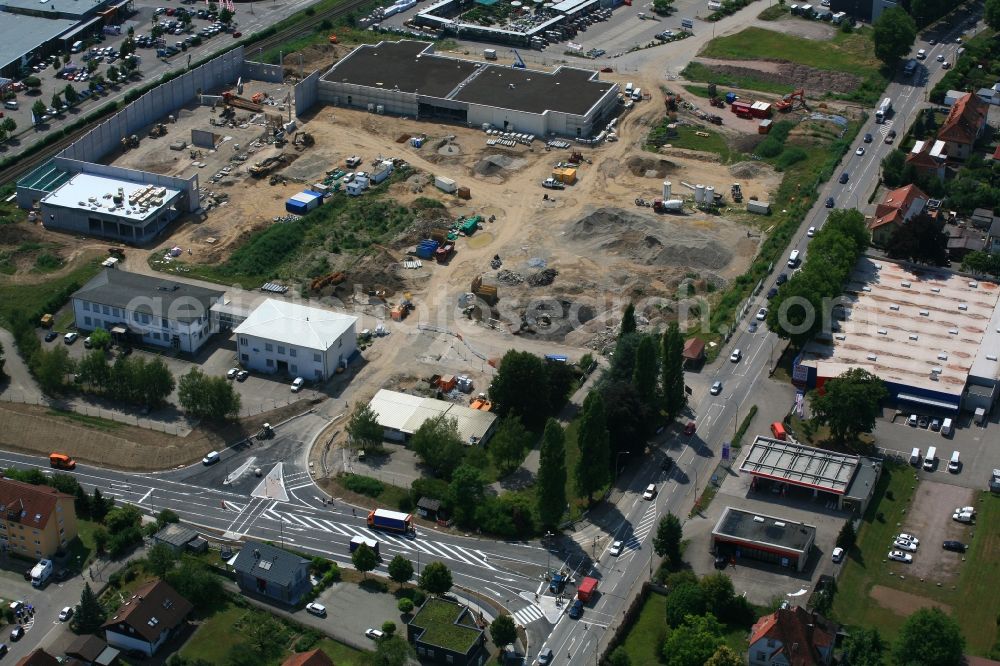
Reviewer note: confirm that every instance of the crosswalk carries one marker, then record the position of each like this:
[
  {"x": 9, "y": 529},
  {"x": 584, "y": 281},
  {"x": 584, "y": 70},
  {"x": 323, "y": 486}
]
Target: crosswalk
[
  {"x": 434, "y": 549},
  {"x": 642, "y": 529},
  {"x": 527, "y": 615}
]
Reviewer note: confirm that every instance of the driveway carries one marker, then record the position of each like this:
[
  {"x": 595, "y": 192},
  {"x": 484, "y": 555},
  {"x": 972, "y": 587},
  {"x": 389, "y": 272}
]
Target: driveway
[{"x": 17, "y": 385}]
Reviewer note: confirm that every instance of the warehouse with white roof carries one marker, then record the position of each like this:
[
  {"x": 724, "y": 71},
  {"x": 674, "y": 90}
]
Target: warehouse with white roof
[
  {"x": 401, "y": 414},
  {"x": 932, "y": 336},
  {"x": 296, "y": 340}
]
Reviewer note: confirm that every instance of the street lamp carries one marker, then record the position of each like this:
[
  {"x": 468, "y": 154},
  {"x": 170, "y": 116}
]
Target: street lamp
[
  {"x": 548, "y": 555},
  {"x": 620, "y": 454}
]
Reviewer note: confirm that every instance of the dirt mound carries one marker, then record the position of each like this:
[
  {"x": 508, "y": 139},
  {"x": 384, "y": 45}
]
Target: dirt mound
[
  {"x": 745, "y": 170},
  {"x": 648, "y": 239},
  {"x": 645, "y": 167},
  {"x": 790, "y": 74},
  {"x": 497, "y": 165}
]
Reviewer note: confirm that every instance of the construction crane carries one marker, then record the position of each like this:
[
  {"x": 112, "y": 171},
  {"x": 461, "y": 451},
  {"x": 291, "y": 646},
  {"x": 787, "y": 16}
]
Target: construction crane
[
  {"x": 518, "y": 61},
  {"x": 787, "y": 103}
]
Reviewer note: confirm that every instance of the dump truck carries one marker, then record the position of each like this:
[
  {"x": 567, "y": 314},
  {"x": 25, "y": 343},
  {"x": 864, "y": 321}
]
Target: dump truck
[
  {"x": 264, "y": 167},
  {"x": 585, "y": 591},
  {"x": 390, "y": 521},
  {"x": 47, "y": 321}
]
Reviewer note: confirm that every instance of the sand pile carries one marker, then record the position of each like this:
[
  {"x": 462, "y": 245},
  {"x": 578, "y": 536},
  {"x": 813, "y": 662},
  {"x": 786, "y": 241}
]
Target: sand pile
[{"x": 645, "y": 167}]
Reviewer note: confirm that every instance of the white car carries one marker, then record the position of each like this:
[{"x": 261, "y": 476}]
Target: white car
[
  {"x": 903, "y": 544},
  {"x": 298, "y": 384},
  {"x": 232, "y": 373},
  {"x": 736, "y": 356},
  {"x": 762, "y": 314},
  {"x": 319, "y": 610},
  {"x": 70, "y": 338},
  {"x": 66, "y": 613},
  {"x": 812, "y": 230},
  {"x": 650, "y": 492},
  {"x": 716, "y": 388},
  {"x": 838, "y": 555},
  {"x": 912, "y": 421},
  {"x": 966, "y": 509},
  {"x": 616, "y": 548},
  {"x": 860, "y": 150},
  {"x": 909, "y": 537},
  {"x": 962, "y": 517},
  {"x": 900, "y": 556},
  {"x": 374, "y": 634},
  {"x": 940, "y": 57},
  {"x": 211, "y": 458}
]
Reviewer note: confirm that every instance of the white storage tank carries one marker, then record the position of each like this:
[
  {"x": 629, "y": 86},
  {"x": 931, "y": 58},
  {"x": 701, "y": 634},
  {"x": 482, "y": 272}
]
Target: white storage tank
[
  {"x": 709, "y": 195},
  {"x": 666, "y": 189},
  {"x": 699, "y": 193}
]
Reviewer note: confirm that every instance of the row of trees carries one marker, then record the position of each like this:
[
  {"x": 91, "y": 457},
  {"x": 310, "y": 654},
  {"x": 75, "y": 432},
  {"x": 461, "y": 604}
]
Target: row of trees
[
  {"x": 131, "y": 379},
  {"x": 803, "y": 305}
]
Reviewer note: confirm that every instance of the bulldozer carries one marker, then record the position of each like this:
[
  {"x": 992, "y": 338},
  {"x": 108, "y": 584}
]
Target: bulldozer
[
  {"x": 129, "y": 142},
  {"x": 787, "y": 103},
  {"x": 157, "y": 131},
  {"x": 303, "y": 140},
  {"x": 266, "y": 166}
]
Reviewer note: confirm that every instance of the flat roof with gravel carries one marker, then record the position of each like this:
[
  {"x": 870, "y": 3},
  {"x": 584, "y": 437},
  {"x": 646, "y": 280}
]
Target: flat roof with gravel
[
  {"x": 446, "y": 624},
  {"x": 567, "y": 89},
  {"x": 758, "y": 528},
  {"x": 88, "y": 192},
  {"x": 406, "y": 66},
  {"x": 922, "y": 328},
  {"x": 799, "y": 465}
]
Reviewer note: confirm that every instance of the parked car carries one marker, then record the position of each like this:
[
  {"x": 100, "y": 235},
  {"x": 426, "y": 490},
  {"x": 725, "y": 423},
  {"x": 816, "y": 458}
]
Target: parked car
[
  {"x": 716, "y": 388},
  {"x": 908, "y": 537},
  {"x": 936, "y": 425},
  {"x": 616, "y": 548},
  {"x": 690, "y": 428},
  {"x": 903, "y": 544},
  {"x": 242, "y": 375},
  {"x": 374, "y": 634},
  {"x": 71, "y": 337},
  {"x": 650, "y": 492},
  {"x": 783, "y": 277},
  {"x": 762, "y": 314},
  {"x": 954, "y": 546},
  {"x": 923, "y": 422},
  {"x": 17, "y": 633},
  {"x": 721, "y": 561},
  {"x": 966, "y": 509},
  {"x": 837, "y": 555},
  {"x": 860, "y": 150},
  {"x": 576, "y": 610},
  {"x": 962, "y": 517},
  {"x": 319, "y": 610},
  {"x": 232, "y": 373},
  {"x": 51, "y": 335},
  {"x": 667, "y": 464},
  {"x": 66, "y": 613},
  {"x": 771, "y": 293},
  {"x": 912, "y": 421},
  {"x": 297, "y": 384},
  {"x": 900, "y": 556}
]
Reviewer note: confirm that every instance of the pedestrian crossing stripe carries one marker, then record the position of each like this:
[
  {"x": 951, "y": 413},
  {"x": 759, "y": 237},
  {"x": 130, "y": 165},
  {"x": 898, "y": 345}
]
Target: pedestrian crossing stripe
[{"x": 528, "y": 615}]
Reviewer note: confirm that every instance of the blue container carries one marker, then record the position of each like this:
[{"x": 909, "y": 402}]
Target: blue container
[{"x": 730, "y": 97}]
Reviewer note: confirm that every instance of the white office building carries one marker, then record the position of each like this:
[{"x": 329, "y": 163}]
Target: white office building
[{"x": 297, "y": 340}]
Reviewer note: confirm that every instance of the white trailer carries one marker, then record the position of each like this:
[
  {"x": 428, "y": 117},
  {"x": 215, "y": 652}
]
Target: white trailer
[
  {"x": 760, "y": 207},
  {"x": 445, "y": 184}
]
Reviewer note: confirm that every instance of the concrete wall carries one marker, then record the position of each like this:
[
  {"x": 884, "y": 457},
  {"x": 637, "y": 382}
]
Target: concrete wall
[
  {"x": 306, "y": 93},
  {"x": 259, "y": 71},
  {"x": 349, "y": 94},
  {"x": 156, "y": 104},
  {"x": 203, "y": 138}
]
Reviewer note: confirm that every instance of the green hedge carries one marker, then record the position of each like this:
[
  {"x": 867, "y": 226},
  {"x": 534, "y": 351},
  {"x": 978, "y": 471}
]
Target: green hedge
[{"x": 364, "y": 485}]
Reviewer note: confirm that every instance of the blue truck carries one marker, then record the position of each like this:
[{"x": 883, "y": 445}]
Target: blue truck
[{"x": 390, "y": 521}]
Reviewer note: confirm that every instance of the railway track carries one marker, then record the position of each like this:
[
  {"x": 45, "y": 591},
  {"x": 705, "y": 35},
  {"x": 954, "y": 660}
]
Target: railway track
[{"x": 29, "y": 162}]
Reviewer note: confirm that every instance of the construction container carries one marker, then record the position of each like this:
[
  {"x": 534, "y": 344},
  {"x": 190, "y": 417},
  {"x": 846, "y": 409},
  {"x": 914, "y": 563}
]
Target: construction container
[
  {"x": 446, "y": 382},
  {"x": 443, "y": 253},
  {"x": 464, "y": 193},
  {"x": 741, "y": 108},
  {"x": 445, "y": 184},
  {"x": 565, "y": 175},
  {"x": 464, "y": 383},
  {"x": 760, "y": 110},
  {"x": 760, "y": 207},
  {"x": 765, "y": 126},
  {"x": 427, "y": 248},
  {"x": 303, "y": 202},
  {"x": 470, "y": 226},
  {"x": 397, "y": 313}
]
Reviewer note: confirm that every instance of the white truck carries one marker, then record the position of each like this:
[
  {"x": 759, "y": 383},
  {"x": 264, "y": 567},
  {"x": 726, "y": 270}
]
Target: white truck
[
  {"x": 41, "y": 572},
  {"x": 490, "y": 54}
]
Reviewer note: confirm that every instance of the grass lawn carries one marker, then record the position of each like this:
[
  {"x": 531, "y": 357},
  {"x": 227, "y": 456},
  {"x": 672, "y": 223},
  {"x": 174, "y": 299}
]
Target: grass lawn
[
  {"x": 973, "y": 599},
  {"x": 692, "y": 139},
  {"x": 646, "y": 635},
  {"x": 82, "y": 546},
  {"x": 96, "y": 422},
  {"x": 28, "y": 297}
]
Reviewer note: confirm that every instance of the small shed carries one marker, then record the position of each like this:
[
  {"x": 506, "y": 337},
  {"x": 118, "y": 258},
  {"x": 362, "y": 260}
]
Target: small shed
[
  {"x": 303, "y": 202},
  {"x": 694, "y": 351},
  {"x": 176, "y": 536},
  {"x": 428, "y": 508}
]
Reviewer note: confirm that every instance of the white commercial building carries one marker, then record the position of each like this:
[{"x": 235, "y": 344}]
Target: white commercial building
[
  {"x": 297, "y": 340},
  {"x": 401, "y": 414}
]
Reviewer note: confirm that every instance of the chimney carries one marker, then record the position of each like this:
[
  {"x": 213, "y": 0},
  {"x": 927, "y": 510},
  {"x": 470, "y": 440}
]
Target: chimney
[{"x": 256, "y": 553}]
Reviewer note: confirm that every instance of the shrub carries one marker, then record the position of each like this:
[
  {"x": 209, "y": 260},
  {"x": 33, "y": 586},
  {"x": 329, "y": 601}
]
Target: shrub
[{"x": 364, "y": 485}]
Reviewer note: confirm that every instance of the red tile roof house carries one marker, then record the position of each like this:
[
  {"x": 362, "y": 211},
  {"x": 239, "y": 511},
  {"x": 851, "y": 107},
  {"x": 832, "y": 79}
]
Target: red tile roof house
[
  {"x": 965, "y": 124},
  {"x": 928, "y": 158},
  {"x": 898, "y": 207},
  {"x": 792, "y": 637},
  {"x": 312, "y": 658},
  {"x": 146, "y": 620}
]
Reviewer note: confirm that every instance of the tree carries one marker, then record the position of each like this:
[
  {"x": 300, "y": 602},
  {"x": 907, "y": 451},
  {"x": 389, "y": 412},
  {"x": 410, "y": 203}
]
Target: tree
[
  {"x": 101, "y": 538},
  {"x": 225, "y": 16},
  {"x": 400, "y": 570},
  {"x": 363, "y": 429},
  {"x": 156, "y": 383},
  {"x": 51, "y": 368},
  {"x": 921, "y": 240},
  {"x": 667, "y": 541},
  {"x": 436, "y": 578},
  {"x": 38, "y": 109},
  {"x": 619, "y": 657},
  {"x": 439, "y": 445},
  {"x": 929, "y": 638},
  {"x": 847, "y": 536},
  {"x": 56, "y": 101},
  {"x": 113, "y": 71},
  {"x": 725, "y": 656},
  {"x": 9, "y": 125},
  {"x": 895, "y": 171},
  {"x": 100, "y": 506},
  {"x": 160, "y": 560},
  {"x": 672, "y": 353},
  {"x": 849, "y": 403},
  {"x": 394, "y": 651},
  {"x": 521, "y": 385},
  {"x": 364, "y": 559},
  {"x": 166, "y": 517},
  {"x": 198, "y": 584},
  {"x": 628, "y": 320},
  {"x": 719, "y": 592},
  {"x": 405, "y": 606},
  {"x": 685, "y": 599},
  {"x": 627, "y": 418},
  {"x": 663, "y": 7},
  {"x": 991, "y": 14},
  {"x": 694, "y": 642},
  {"x": 551, "y": 485},
  {"x": 646, "y": 371},
  {"x": 864, "y": 647},
  {"x": 466, "y": 493},
  {"x": 508, "y": 444},
  {"x": 982, "y": 262},
  {"x": 94, "y": 369},
  {"x": 207, "y": 397},
  {"x": 592, "y": 468},
  {"x": 89, "y": 614},
  {"x": 100, "y": 339},
  {"x": 502, "y": 631},
  {"x": 32, "y": 83},
  {"x": 894, "y": 33}
]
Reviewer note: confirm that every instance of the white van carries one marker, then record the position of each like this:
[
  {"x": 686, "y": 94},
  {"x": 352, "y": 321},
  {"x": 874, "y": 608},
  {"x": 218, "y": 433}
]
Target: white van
[
  {"x": 10, "y": 104},
  {"x": 628, "y": 88},
  {"x": 77, "y": 47},
  {"x": 953, "y": 463},
  {"x": 793, "y": 259},
  {"x": 930, "y": 458},
  {"x": 637, "y": 94},
  {"x": 915, "y": 457},
  {"x": 921, "y": 54},
  {"x": 946, "y": 428}
]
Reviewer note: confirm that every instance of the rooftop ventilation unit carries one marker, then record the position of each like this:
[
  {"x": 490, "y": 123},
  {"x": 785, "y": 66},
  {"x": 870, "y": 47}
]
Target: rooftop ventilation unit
[
  {"x": 758, "y": 519},
  {"x": 925, "y": 313},
  {"x": 937, "y": 370},
  {"x": 894, "y": 307},
  {"x": 905, "y": 284}
]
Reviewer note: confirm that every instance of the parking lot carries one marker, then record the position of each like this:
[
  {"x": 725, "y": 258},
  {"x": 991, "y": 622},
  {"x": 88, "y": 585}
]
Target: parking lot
[{"x": 930, "y": 521}]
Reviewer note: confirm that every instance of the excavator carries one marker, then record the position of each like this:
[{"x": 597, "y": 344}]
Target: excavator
[
  {"x": 303, "y": 140},
  {"x": 266, "y": 166},
  {"x": 787, "y": 103}
]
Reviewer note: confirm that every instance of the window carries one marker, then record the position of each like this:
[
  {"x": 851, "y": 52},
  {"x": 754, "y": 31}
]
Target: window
[
  {"x": 135, "y": 316},
  {"x": 243, "y": 341},
  {"x": 116, "y": 312},
  {"x": 86, "y": 321},
  {"x": 281, "y": 349},
  {"x": 270, "y": 363},
  {"x": 293, "y": 352},
  {"x": 105, "y": 309},
  {"x": 156, "y": 336},
  {"x": 761, "y": 656},
  {"x": 317, "y": 358},
  {"x": 145, "y": 319},
  {"x": 86, "y": 306},
  {"x": 268, "y": 346},
  {"x": 449, "y": 659},
  {"x": 245, "y": 358}
]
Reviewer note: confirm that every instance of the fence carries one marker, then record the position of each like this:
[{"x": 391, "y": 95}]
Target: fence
[
  {"x": 181, "y": 429},
  {"x": 259, "y": 71}
]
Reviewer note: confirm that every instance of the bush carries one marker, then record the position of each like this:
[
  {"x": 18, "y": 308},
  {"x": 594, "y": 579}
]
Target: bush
[
  {"x": 364, "y": 485},
  {"x": 789, "y": 157},
  {"x": 405, "y": 605}
]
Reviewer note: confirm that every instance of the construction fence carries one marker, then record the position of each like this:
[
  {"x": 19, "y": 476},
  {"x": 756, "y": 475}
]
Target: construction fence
[
  {"x": 307, "y": 93},
  {"x": 260, "y": 71}
]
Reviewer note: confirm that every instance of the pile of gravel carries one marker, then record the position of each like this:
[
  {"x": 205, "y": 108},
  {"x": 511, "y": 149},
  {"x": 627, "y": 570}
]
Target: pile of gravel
[
  {"x": 543, "y": 278},
  {"x": 510, "y": 277}
]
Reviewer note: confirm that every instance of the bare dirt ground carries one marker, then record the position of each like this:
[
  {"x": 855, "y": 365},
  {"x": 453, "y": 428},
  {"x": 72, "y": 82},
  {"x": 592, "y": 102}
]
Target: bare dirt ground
[
  {"x": 903, "y": 604},
  {"x": 134, "y": 448},
  {"x": 792, "y": 74},
  {"x": 930, "y": 520}
]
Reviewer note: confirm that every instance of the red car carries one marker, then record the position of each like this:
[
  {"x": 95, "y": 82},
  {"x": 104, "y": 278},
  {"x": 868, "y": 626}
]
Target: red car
[
  {"x": 237, "y": 35},
  {"x": 690, "y": 428}
]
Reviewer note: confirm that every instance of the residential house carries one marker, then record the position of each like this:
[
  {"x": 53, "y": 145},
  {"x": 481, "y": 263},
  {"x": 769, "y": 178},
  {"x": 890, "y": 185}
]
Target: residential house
[
  {"x": 296, "y": 340},
  {"x": 792, "y": 637},
  {"x": 35, "y": 521},
  {"x": 92, "y": 650},
  {"x": 147, "y": 309},
  {"x": 153, "y": 613},
  {"x": 445, "y": 632},
  {"x": 963, "y": 240},
  {"x": 897, "y": 208},
  {"x": 312, "y": 658},
  {"x": 275, "y": 574},
  {"x": 928, "y": 158},
  {"x": 982, "y": 218},
  {"x": 993, "y": 237},
  {"x": 38, "y": 657},
  {"x": 964, "y": 125}
]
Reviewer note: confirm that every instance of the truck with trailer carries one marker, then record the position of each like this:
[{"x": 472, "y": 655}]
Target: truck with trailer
[
  {"x": 884, "y": 110},
  {"x": 390, "y": 521},
  {"x": 358, "y": 541},
  {"x": 585, "y": 591},
  {"x": 41, "y": 573}
]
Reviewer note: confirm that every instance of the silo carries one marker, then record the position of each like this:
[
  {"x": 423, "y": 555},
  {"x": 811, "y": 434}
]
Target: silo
[{"x": 666, "y": 190}]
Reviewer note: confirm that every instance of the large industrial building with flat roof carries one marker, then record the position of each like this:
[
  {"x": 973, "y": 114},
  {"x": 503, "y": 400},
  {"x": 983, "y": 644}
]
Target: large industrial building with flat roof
[
  {"x": 407, "y": 78},
  {"x": 932, "y": 336}
]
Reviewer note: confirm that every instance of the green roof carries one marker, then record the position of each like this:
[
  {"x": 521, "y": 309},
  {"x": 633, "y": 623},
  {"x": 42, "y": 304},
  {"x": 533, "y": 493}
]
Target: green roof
[{"x": 445, "y": 625}]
